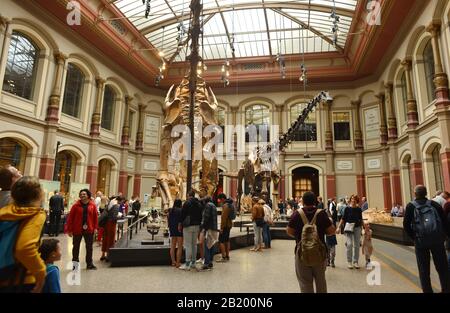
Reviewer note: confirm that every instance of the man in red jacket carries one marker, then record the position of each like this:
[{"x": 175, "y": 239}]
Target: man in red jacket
[{"x": 82, "y": 222}]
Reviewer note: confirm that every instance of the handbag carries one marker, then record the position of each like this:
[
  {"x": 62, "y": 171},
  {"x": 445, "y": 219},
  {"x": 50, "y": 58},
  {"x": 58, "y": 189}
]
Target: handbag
[
  {"x": 259, "y": 222},
  {"x": 349, "y": 227},
  {"x": 187, "y": 221}
]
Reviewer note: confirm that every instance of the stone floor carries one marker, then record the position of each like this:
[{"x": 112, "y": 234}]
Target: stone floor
[{"x": 271, "y": 271}]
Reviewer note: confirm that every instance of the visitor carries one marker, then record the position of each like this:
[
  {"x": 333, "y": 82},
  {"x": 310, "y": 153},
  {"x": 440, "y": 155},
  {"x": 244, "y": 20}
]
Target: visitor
[
  {"x": 176, "y": 236},
  {"x": 307, "y": 275},
  {"x": 50, "y": 251},
  {"x": 268, "y": 221},
  {"x": 367, "y": 247},
  {"x": 109, "y": 230},
  {"x": 226, "y": 223},
  {"x": 9, "y": 175},
  {"x": 441, "y": 198},
  {"x": 21, "y": 224},
  {"x": 340, "y": 212},
  {"x": 289, "y": 211},
  {"x": 81, "y": 223},
  {"x": 447, "y": 214},
  {"x": 331, "y": 242},
  {"x": 136, "y": 207},
  {"x": 98, "y": 200},
  {"x": 428, "y": 239},
  {"x": 56, "y": 205},
  {"x": 104, "y": 201},
  {"x": 397, "y": 211},
  {"x": 258, "y": 223},
  {"x": 364, "y": 204},
  {"x": 332, "y": 209},
  {"x": 191, "y": 216},
  {"x": 352, "y": 222},
  {"x": 210, "y": 231},
  {"x": 319, "y": 203}
]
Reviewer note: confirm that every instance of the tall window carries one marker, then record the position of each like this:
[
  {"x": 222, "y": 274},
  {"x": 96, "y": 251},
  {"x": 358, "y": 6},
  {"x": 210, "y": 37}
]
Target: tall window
[
  {"x": 307, "y": 132},
  {"x": 21, "y": 66},
  {"x": 258, "y": 115},
  {"x": 65, "y": 170},
  {"x": 404, "y": 89},
  {"x": 12, "y": 152},
  {"x": 109, "y": 100},
  {"x": 428, "y": 60},
  {"x": 437, "y": 167},
  {"x": 73, "y": 91},
  {"x": 341, "y": 126}
]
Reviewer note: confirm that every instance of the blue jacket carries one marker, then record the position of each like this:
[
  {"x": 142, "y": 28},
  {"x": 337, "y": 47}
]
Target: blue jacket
[{"x": 52, "y": 280}]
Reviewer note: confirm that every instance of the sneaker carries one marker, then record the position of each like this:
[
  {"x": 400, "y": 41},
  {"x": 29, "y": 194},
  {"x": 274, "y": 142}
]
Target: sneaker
[
  {"x": 369, "y": 266},
  {"x": 200, "y": 261},
  {"x": 350, "y": 265},
  {"x": 185, "y": 267},
  {"x": 205, "y": 268},
  {"x": 228, "y": 258},
  {"x": 222, "y": 260},
  {"x": 91, "y": 267},
  {"x": 356, "y": 265}
]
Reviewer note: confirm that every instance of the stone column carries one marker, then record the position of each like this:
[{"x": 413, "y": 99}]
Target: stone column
[
  {"x": 96, "y": 116},
  {"x": 47, "y": 165},
  {"x": 281, "y": 167},
  {"x": 235, "y": 162},
  {"x": 4, "y": 25},
  {"x": 126, "y": 126},
  {"x": 92, "y": 168},
  {"x": 329, "y": 150},
  {"x": 139, "y": 150},
  {"x": 416, "y": 159},
  {"x": 55, "y": 97},
  {"x": 359, "y": 148},
  {"x": 386, "y": 180},
  {"x": 413, "y": 116},
  {"x": 123, "y": 173},
  {"x": 383, "y": 127},
  {"x": 392, "y": 121},
  {"x": 442, "y": 102},
  {"x": 395, "y": 175}
]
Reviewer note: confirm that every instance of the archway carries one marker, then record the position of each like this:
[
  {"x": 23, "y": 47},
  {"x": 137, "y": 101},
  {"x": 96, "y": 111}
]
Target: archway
[
  {"x": 65, "y": 168},
  {"x": 13, "y": 152},
  {"x": 305, "y": 179},
  {"x": 105, "y": 168}
]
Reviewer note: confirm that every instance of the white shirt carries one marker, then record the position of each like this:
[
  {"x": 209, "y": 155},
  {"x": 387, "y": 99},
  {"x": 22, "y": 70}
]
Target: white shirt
[
  {"x": 439, "y": 199},
  {"x": 98, "y": 202},
  {"x": 267, "y": 213}
]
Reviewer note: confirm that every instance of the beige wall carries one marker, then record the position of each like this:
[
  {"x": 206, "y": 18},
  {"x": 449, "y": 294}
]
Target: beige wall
[{"x": 375, "y": 191}]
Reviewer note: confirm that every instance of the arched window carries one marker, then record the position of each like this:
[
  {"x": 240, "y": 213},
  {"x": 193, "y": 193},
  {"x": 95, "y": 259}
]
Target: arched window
[
  {"x": 259, "y": 116},
  {"x": 404, "y": 95},
  {"x": 428, "y": 61},
  {"x": 73, "y": 91},
  {"x": 21, "y": 66},
  {"x": 437, "y": 167},
  {"x": 109, "y": 100},
  {"x": 105, "y": 168},
  {"x": 65, "y": 170},
  {"x": 12, "y": 152},
  {"x": 307, "y": 132}
]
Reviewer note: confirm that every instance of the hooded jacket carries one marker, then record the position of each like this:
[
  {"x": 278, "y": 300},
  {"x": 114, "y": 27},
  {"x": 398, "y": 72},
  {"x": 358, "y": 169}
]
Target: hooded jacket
[
  {"x": 27, "y": 240},
  {"x": 74, "y": 223}
]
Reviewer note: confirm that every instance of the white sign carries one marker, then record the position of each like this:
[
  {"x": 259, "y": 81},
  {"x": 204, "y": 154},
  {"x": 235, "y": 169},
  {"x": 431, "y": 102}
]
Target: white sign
[
  {"x": 151, "y": 135},
  {"x": 372, "y": 123},
  {"x": 374, "y": 163},
  {"x": 130, "y": 163},
  {"x": 344, "y": 165},
  {"x": 150, "y": 166}
]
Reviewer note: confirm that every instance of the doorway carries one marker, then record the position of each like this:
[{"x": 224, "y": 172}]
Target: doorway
[{"x": 305, "y": 179}]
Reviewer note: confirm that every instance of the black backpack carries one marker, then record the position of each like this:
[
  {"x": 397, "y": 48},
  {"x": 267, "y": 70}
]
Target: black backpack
[{"x": 427, "y": 225}]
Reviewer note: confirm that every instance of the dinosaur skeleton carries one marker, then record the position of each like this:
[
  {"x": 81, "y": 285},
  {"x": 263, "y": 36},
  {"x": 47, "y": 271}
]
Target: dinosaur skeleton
[{"x": 262, "y": 163}]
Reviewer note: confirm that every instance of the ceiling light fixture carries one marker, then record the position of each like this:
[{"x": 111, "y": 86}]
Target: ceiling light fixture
[{"x": 147, "y": 7}]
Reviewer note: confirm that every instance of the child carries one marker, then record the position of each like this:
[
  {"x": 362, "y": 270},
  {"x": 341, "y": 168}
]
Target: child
[
  {"x": 50, "y": 252},
  {"x": 367, "y": 247},
  {"x": 331, "y": 249}
]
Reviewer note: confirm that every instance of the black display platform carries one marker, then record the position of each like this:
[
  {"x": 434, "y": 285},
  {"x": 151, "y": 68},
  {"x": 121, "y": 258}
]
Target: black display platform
[{"x": 392, "y": 233}]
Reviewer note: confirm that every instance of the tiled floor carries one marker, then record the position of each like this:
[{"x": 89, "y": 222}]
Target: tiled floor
[{"x": 271, "y": 271}]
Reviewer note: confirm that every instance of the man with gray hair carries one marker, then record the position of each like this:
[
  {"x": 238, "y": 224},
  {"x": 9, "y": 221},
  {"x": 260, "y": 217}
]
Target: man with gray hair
[{"x": 427, "y": 225}]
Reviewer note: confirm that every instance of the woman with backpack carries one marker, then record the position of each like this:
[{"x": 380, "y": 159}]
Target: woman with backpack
[
  {"x": 352, "y": 222},
  {"x": 109, "y": 224},
  {"x": 21, "y": 223}
]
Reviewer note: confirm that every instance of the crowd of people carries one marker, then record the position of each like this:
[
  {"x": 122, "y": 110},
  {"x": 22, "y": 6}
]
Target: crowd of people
[{"x": 27, "y": 261}]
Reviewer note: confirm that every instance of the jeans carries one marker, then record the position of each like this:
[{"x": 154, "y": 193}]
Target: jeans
[
  {"x": 258, "y": 235},
  {"x": 308, "y": 275},
  {"x": 55, "y": 220},
  {"x": 266, "y": 235},
  {"x": 440, "y": 263},
  {"x": 352, "y": 244},
  {"x": 88, "y": 241},
  {"x": 331, "y": 255},
  {"x": 190, "y": 234},
  {"x": 209, "y": 254}
]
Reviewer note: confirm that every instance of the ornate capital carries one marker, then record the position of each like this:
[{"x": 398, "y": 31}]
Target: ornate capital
[
  {"x": 389, "y": 86},
  {"x": 142, "y": 107},
  {"x": 356, "y": 103},
  {"x": 407, "y": 63},
  {"x": 380, "y": 96},
  {"x": 128, "y": 99},
  {"x": 234, "y": 109},
  {"x": 434, "y": 29},
  {"x": 4, "y": 21},
  {"x": 279, "y": 107},
  {"x": 100, "y": 82},
  {"x": 60, "y": 57}
]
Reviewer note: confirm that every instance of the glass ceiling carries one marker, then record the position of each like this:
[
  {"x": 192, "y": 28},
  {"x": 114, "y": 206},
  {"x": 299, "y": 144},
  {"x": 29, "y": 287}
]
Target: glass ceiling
[{"x": 242, "y": 28}]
